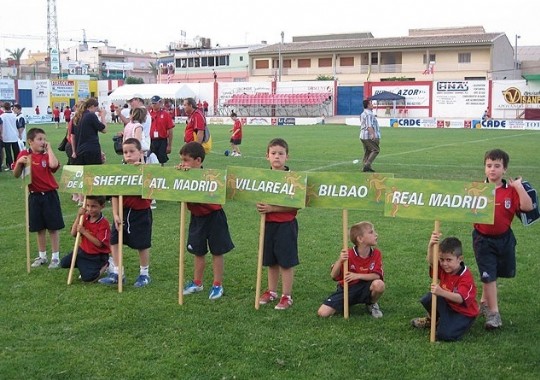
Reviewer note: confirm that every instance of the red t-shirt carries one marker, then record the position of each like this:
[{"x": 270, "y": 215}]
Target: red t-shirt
[
  {"x": 237, "y": 130},
  {"x": 202, "y": 209},
  {"x": 506, "y": 206},
  {"x": 161, "y": 123},
  {"x": 67, "y": 114},
  {"x": 463, "y": 284},
  {"x": 364, "y": 265},
  {"x": 41, "y": 173},
  {"x": 136, "y": 202},
  {"x": 101, "y": 229},
  {"x": 195, "y": 122},
  {"x": 56, "y": 112}
]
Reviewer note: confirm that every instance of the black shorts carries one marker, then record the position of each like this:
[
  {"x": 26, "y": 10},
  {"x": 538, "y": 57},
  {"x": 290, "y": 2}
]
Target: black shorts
[
  {"x": 209, "y": 232},
  {"x": 89, "y": 264},
  {"x": 57, "y": 119},
  {"x": 281, "y": 244},
  {"x": 159, "y": 148},
  {"x": 495, "y": 256},
  {"x": 137, "y": 229},
  {"x": 45, "y": 212},
  {"x": 358, "y": 293},
  {"x": 236, "y": 141}
]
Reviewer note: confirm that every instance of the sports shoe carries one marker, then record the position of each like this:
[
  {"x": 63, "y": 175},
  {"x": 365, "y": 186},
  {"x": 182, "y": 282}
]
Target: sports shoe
[
  {"x": 142, "y": 280},
  {"x": 421, "y": 323},
  {"x": 267, "y": 297},
  {"x": 55, "y": 264},
  {"x": 374, "y": 309},
  {"x": 284, "y": 303},
  {"x": 216, "y": 292},
  {"x": 493, "y": 321},
  {"x": 484, "y": 310},
  {"x": 39, "y": 261},
  {"x": 153, "y": 204},
  {"x": 191, "y": 288},
  {"x": 112, "y": 279}
]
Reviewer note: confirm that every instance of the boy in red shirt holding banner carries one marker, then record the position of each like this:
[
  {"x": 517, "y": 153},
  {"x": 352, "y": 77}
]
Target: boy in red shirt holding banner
[
  {"x": 93, "y": 254},
  {"x": 43, "y": 201},
  {"x": 280, "y": 253},
  {"x": 365, "y": 273},
  {"x": 456, "y": 292},
  {"x": 208, "y": 229}
]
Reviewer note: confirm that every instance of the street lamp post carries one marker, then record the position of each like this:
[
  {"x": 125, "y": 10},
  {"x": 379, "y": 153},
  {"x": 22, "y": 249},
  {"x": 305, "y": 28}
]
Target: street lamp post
[
  {"x": 280, "y": 59},
  {"x": 516, "y": 64}
]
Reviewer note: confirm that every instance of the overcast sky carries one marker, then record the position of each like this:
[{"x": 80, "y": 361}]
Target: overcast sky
[{"x": 151, "y": 25}]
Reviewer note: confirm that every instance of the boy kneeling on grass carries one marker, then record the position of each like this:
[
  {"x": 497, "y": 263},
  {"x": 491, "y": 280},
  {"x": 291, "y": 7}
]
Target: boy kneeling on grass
[
  {"x": 93, "y": 252},
  {"x": 457, "y": 307}
]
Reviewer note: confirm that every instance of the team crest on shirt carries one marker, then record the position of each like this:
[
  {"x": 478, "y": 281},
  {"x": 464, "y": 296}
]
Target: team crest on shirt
[
  {"x": 371, "y": 266},
  {"x": 44, "y": 163},
  {"x": 507, "y": 203}
]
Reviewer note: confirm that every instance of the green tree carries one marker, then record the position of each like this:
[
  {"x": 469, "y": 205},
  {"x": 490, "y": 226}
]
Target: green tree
[
  {"x": 134, "y": 80},
  {"x": 16, "y": 55}
]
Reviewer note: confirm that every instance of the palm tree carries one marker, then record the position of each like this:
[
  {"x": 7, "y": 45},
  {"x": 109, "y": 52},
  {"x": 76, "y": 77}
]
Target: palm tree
[{"x": 16, "y": 55}]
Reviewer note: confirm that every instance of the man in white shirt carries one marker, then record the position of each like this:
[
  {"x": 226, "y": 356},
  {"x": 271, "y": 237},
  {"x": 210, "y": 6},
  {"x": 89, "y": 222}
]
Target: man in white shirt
[
  {"x": 10, "y": 135},
  {"x": 370, "y": 135}
]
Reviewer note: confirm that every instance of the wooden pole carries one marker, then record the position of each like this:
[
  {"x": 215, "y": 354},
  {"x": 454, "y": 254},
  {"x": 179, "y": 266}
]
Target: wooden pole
[
  {"x": 345, "y": 269},
  {"x": 260, "y": 260},
  {"x": 435, "y": 280},
  {"x": 182, "y": 253},
  {"x": 27, "y": 212},
  {"x": 76, "y": 247},
  {"x": 120, "y": 244}
]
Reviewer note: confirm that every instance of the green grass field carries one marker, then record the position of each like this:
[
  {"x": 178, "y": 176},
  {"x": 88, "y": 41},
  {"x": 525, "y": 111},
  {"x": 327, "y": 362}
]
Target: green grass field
[{"x": 54, "y": 331}]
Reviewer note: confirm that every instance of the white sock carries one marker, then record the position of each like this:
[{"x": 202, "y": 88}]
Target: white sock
[
  {"x": 43, "y": 255},
  {"x": 144, "y": 271},
  {"x": 55, "y": 256}
]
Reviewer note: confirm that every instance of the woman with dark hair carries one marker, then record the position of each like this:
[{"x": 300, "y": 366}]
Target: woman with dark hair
[{"x": 85, "y": 139}]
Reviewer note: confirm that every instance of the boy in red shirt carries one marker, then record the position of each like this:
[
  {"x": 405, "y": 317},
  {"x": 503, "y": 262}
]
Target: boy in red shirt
[
  {"x": 43, "y": 201},
  {"x": 456, "y": 292},
  {"x": 236, "y": 137},
  {"x": 364, "y": 275},
  {"x": 280, "y": 253},
  {"x": 495, "y": 244},
  {"x": 136, "y": 223},
  {"x": 93, "y": 254},
  {"x": 208, "y": 229}
]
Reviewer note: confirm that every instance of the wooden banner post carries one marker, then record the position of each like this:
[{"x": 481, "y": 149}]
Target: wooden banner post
[
  {"x": 182, "y": 253},
  {"x": 262, "y": 225},
  {"x": 76, "y": 247},
  {"x": 435, "y": 280},
  {"x": 345, "y": 269}
]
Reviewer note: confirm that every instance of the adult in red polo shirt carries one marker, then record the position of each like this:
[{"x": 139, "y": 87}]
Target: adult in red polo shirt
[
  {"x": 161, "y": 131},
  {"x": 196, "y": 122}
]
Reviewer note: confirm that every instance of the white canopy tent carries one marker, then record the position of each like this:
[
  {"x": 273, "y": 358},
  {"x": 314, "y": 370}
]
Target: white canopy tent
[{"x": 146, "y": 91}]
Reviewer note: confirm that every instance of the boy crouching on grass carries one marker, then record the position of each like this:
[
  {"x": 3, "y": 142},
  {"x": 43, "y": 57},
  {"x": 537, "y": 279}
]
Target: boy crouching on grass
[
  {"x": 93, "y": 254},
  {"x": 457, "y": 307},
  {"x": 364, "y": 275},
  {"x": 43, "y": 202},
  {"x": 208, "y": 229}
]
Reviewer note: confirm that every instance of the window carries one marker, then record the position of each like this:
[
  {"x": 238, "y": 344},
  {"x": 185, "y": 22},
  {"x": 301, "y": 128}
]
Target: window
[
  {"x": 346, "y": 61},
  {"x": 374, "y": 58},
  {"x": 464, "y": 58},
  {"x": 325, "y": 62},
  {"x": 241, "y": 58},
  {"x": 262, "y": 64},
  {"x": 304, "y": 63},
  {"x": 431, "y": 58},
  {"x": 286, "y": 63}
]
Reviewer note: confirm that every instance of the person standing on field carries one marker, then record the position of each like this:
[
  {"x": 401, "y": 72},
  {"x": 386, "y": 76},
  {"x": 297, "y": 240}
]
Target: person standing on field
[{"x": 370, "y": 135}]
